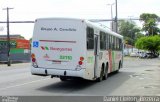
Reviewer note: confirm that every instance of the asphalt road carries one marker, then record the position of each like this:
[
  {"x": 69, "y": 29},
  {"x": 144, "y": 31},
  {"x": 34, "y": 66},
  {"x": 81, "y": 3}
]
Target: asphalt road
[{"x": 138, "y": 77}]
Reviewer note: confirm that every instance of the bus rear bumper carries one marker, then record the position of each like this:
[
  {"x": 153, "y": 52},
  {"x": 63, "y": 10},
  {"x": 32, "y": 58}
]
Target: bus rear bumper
[{"x": 56, "y": 72}]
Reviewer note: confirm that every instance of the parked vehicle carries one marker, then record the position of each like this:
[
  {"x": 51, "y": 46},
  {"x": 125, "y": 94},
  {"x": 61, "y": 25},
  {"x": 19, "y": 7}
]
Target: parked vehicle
[
  {"x": 142, "y": 55},
  {"x": 147, "y": 55},
  {"x": 133, "y": 54},
  {"x": 152, "y": 55}
]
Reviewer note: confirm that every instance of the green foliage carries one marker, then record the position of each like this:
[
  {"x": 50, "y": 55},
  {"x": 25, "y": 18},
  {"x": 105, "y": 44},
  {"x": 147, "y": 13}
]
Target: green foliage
[
  {"x": 151, "y": 43},
  {"x": 22, "y": 37},
  {"x": 139, "y": 35},
  {"x": 150, "y": 23},
  {"x": 30, "y": 39},
  {"x": 129, "y": 30}
]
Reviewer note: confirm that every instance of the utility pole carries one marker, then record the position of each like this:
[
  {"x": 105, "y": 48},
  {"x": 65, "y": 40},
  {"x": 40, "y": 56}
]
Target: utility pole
[
  {"x": 116, "y": 21},
  {"x": 8, "y": 37},
  {"x": 111, "y": 15}
]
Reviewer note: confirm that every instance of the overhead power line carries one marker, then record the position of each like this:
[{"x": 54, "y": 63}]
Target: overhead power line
[
  {"x": 17, "y": 22},
  {"x": 92, "y": 20},
  {"x": 105, "y": 20}
]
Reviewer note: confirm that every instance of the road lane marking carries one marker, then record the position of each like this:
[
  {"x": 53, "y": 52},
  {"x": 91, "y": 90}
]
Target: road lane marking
[{"x": 24, "y": 84}]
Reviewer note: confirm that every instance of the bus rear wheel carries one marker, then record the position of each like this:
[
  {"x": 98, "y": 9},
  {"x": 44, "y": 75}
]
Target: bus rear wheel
[
  {"x": 63, "y": 78},
  {"x": 119, "y": 66},
  {"x": 101, "y": 75},
  {"x": 105, "y": 73}
]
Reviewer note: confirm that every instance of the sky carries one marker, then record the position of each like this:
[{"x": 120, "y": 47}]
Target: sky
[{"x": 29, "y": 10}]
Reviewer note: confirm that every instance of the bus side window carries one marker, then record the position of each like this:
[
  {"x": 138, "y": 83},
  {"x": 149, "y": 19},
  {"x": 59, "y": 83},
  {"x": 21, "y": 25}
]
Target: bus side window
[
  {"x": 115, "y": 43},
  {"x": 90, "y": 38},
  {"x": 102, "y": 41},
  {"x": 107, "y": 41},
  {"x": 120, "y": 44},
  {"x": 112, "y": 45},
  {"x": 110, "y": 42}
]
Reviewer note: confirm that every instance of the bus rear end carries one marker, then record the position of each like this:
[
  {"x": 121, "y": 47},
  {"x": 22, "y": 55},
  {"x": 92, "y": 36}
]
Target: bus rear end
[{"x": 58, "y": 48}]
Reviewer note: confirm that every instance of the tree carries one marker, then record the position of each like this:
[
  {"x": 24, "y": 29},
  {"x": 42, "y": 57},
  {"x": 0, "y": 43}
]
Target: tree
[
  {"x": 151, "y": 43},
  {"x": 30, "y": 39},
  {"x": 128, "y": 29},
  {"x": 139, "y": 35},
  {"x": 22, "y": 37},
  {"x": 150, "y": 22}
]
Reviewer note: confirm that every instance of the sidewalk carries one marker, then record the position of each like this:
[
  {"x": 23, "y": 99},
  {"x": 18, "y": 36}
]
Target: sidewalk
[{"x": 15, "y": 65}]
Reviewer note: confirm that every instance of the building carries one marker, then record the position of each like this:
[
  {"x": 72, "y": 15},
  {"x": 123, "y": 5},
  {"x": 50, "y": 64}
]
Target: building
[
  {"x": 19, "y": 48},
  {"x": 12, "y": 37}
]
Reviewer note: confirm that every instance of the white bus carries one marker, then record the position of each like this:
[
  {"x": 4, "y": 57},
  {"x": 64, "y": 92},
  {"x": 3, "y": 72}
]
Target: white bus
[{"x": 70, "y": 48}]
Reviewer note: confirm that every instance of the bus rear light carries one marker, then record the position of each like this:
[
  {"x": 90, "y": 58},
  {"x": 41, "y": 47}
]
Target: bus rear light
[
  {"x": 33, "y": 55},
  {"x": 80, "y": 62},
  {"x": 34, "y": 63},
  {"x": 33, "y": 60},
  {"x": 81, "y": 58}
]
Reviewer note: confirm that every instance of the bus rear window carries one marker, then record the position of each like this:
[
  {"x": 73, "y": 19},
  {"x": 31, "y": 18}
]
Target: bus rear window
[{"x": 90, "y": 38}]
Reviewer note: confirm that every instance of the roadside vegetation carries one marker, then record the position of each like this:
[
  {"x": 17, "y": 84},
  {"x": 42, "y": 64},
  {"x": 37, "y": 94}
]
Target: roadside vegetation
[
  {"x": 149, "y": 43},
  {"x": 145, "y": 38}
]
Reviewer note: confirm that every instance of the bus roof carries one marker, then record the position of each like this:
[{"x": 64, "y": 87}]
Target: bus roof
[{"x": 106, "y": 30}]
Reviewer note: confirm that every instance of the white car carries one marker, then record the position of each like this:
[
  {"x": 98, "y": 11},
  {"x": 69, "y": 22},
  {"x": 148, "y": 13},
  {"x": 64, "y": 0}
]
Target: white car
[{"x": 133, "y": 54}]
